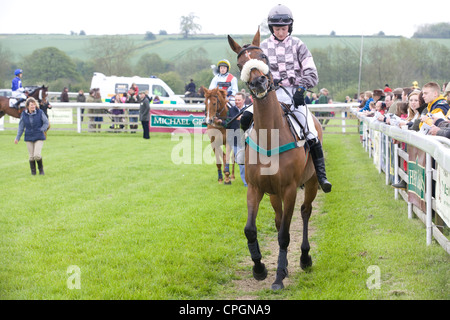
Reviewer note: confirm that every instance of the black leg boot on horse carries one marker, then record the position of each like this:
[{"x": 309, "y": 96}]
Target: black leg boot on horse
[
  {"x": 19, "y": 101},
  {"x": 315, "y": 147}
]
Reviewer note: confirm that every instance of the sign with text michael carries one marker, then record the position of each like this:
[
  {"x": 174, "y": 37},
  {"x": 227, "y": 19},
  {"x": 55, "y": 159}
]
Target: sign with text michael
[{"x": 169, "y": 121}]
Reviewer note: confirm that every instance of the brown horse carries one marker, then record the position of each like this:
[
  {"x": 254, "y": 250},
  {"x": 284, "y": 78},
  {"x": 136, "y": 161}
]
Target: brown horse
[
  {"x": 274, "y": 163},
  {"x": 216, "y": 110},
  {"x": 40, "y": 94}
]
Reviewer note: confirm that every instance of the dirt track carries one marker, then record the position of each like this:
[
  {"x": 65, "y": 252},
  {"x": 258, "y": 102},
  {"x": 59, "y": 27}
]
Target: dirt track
[{"x": 246, "y": 287}]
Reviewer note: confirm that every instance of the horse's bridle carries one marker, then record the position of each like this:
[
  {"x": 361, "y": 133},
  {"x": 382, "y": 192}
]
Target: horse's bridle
[
  {"x": 218, "y": 112},
  {"x": 271, "y": 86}
]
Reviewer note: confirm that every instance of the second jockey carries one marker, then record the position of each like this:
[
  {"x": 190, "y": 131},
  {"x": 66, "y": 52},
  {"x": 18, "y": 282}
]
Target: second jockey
[{"x": 18, "y": 92}]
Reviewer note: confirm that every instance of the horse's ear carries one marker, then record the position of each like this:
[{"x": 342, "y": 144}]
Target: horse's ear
[
  {"x": 234, "y": 46},
  {"x": 257, "y": 39}
]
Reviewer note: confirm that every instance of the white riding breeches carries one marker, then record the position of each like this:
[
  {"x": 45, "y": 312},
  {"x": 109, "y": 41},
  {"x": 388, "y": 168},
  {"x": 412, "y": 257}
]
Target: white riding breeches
[{"x": 300, "y": 112}]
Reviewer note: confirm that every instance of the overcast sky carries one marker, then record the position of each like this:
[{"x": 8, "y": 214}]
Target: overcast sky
[{"x": 345, "y": 17}]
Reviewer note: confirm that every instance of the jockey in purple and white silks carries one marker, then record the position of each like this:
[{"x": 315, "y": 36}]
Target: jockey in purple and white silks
[
  {"x": 292, "y": 65},
  {"x": 17, "y": 91}
]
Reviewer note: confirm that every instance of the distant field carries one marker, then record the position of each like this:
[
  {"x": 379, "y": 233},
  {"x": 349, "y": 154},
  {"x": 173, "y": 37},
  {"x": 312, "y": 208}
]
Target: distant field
[{"x": 172, "y": 47}]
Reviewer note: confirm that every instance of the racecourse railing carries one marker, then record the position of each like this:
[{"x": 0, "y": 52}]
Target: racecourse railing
[
  {"x": 99, "y": 117},
  {"x": 426, "y": 176}
]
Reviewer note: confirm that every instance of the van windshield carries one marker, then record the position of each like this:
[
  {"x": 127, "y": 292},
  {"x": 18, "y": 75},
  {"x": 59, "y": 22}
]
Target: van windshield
[{"x": 158, "y": 90}]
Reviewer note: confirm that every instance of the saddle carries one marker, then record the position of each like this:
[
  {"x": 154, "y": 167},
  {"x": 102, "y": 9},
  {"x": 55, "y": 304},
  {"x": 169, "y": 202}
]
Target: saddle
[
  {"x": 13, "y": 101},
  {"x": 296, "y": 127}
]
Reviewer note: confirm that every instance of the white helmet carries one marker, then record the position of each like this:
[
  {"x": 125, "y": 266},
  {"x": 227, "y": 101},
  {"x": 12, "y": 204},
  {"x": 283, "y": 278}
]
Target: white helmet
[{"x": 280, "y": 15}]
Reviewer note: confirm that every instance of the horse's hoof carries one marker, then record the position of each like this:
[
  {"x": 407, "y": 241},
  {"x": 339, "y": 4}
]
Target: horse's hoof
[
  {"x": 233, "y": 178},
  {"x": 305, "y": 263},
  {"x": 227, "y": 182},
  {"x": 220, "y": 181},
  {"x": 260, "y": 275},
  {"x": 277, "y": 286}
]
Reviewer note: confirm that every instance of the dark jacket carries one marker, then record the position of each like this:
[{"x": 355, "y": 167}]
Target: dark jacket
[
  {"x": 144, "y": 109},
  {"x": 34, "y": 124},
  {"x": 444, "y": 130}
]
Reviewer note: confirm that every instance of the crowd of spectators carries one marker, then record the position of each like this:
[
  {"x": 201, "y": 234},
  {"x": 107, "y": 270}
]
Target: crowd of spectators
[{"x": 424, "y": 109}]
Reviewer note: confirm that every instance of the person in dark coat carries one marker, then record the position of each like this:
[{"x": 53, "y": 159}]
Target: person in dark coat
[
  {"x": 34, "y": 122},
  {"x": 144, "y": 113}
]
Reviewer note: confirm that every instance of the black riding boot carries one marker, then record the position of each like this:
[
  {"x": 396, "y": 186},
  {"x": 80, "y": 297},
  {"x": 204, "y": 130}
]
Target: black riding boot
[
  {"x": 33, "y": 167},
  {"x": 19, "y": 101},
  {"x": 315, "y": 147},
  {"x": 40, "y": 167}
]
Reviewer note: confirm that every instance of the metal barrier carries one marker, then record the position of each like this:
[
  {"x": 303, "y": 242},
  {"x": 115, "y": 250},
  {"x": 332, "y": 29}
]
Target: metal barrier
[{"x": 378, "y": 138}]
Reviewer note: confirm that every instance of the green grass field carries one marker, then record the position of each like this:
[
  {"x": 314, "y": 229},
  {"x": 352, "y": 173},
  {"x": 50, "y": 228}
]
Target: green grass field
[
  {"x": 172, "y": 47},
  {"x": 139, "y": 226}
]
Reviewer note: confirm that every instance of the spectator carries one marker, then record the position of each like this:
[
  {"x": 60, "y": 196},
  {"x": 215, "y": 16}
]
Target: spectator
[
  {"x": 323, "y": 99},
  {"x": 81, "y": 98},
  {"x": 447, "y": 92},
  {"x": 132, "y": 98},
  {"x": 441, "y": 125},
  {"x": 94, "y": 97},
  {"x": 238, "y": 142},
  {"x": 135, "y": 89},
  {"x": 64, "y": 95},
  {"x": 378, "y": 95},
  {"x": 388, "y": 100},
  {"x": 414, "y": 109},
  {"x": 34, "y": 122},
  {"x": 436, "y": 103},
  {"x": 405, "y": 93},
  {"x": 387, "y": 88},
  {"x": 116, "y": 112},
  {"x": 396, "y": 98},
  {"x": 367, "y": 100},
  {"x": 144, "y": 113}
]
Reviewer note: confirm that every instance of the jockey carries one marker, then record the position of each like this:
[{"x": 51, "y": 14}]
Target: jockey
[
  {"x": 17, "y": 89},
  {"x": 223, "y": 79},
  {"x": 292, "y": 66}
]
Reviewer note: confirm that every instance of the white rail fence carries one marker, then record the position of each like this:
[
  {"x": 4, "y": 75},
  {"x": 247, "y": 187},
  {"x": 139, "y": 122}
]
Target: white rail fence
[
  {"x": 428, "y": 191},
  {"x": 97, "y": 117}
]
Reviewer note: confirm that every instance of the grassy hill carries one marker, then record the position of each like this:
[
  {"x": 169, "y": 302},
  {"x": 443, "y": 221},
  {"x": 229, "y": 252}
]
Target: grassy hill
[{"x": 172, "y": 47}]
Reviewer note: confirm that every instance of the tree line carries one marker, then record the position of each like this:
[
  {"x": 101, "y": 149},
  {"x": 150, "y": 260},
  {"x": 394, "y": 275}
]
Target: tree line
[{"x": 397, "y": 63}]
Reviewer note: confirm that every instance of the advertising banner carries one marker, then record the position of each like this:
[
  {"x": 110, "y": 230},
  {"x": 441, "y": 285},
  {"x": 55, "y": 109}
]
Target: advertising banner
[
  {"x": 416, "y": 176},
  {"x": 443, "y": 195},
  {"x": 169, "y": 121}
]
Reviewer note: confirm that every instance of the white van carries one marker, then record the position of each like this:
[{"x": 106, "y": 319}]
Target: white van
[{"x": 110, "y": 86}]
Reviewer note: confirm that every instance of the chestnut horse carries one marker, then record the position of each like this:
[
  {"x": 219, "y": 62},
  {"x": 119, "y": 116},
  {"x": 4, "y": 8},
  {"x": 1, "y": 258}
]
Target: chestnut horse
[
  {"x": 40, "y": 94},
  {"x": 216, "y": 110},
  {"x": 276, "y": 163}
]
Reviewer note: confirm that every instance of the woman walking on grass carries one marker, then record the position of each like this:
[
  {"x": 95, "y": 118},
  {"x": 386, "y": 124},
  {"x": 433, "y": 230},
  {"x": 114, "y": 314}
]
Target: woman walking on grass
[{"x": 34, "y": 122}]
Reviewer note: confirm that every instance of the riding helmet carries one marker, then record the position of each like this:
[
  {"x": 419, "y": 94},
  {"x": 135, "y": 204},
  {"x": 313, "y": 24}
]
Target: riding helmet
[
  {"x": 18, "y": 71},
  {"x": 224, "y": 63},
  {"x": 280, "y": 15}
]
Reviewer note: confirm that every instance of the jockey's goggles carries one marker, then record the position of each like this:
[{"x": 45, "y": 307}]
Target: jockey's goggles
[{"x": 280, "y": 19}]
